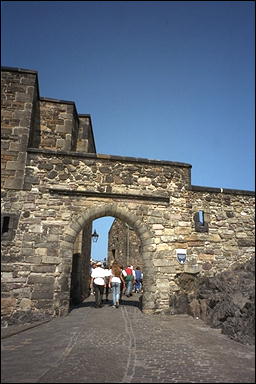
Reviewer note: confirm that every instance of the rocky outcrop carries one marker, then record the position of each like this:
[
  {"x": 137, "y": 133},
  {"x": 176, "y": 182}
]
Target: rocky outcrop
[{"x": 226, "y": 300}]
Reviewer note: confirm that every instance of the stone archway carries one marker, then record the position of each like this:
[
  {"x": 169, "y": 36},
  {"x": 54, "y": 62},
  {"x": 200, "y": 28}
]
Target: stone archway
[{"x": 77, "y": 224}]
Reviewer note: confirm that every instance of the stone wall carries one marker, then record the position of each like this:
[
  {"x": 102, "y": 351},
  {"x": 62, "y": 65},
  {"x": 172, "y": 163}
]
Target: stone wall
[
  {"x": 55, "y": 203},
  {"x": 19, "y": 90},
  {"x": 47, "y": 218},
  {"x": 124, "y": 245},
  {"x": 59, "y": 125},
  {"x": 27, "y": 120},
  {"x": 85, "y": 140},
  {"x": 79, "y": 285}
]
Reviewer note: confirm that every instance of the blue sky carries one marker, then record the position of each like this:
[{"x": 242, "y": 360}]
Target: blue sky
[{"x": 170, "y": 80}]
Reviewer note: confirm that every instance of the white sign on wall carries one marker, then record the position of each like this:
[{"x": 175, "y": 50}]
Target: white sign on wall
[{"x": 181, "y": 255}]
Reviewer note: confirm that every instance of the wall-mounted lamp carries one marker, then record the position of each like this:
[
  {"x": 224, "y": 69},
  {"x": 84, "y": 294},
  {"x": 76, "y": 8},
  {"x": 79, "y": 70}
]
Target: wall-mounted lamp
[{"x": 95, "y": 236}]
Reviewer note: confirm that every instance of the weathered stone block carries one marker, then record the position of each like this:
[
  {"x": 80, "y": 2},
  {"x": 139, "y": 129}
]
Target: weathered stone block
[
  {"x": 162, "y": 247},
  {"x": 7, "y": 267},
  {"x": 182, "y": 231},
  {"x": 40, "y": 279},
  {"x": 161, "y": 262},
  {"x": 41, "y": 251},
  {"x": 12, "y": 183},
  {"x": 36, "y": 295},
  {"x": 22, "y": 292},
  {"x": 6, "y": 276},
  {"x": 192, "y": 268},
  {"x": 43, "y": 268},
  {"x": 33, "y": 259},
  {"x": 26, "y": 304},
  {"x": 7, "y": 305},
  {"x": 36, "y": 228},
  {"x": 28, "y": 252},
  {"x": 45, "y": 304},
  {"x": 53, "y": 252},
  {"x": 206, "y": 257},
  {"x": 50, "y": 260},
  {"x": 22, "y": 97},
  {"x": 246, "y": 242}
]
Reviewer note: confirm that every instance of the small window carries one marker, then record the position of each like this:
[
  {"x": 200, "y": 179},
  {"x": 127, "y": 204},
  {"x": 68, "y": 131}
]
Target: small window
[
  {"x": 9, "y": 223},
  {"x": 200, "y": 223},
  {"x": 5, "y": 225}
]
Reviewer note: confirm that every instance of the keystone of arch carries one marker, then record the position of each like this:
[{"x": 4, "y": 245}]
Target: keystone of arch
[
  {"x": 104, "y": 210},
  {"x": 110, "y": 209},
  {"x": 114, "y": 210}
]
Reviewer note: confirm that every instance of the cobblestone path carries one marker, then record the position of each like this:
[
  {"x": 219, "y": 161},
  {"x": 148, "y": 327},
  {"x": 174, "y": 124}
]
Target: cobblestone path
[{"x": 110, "y": 345}]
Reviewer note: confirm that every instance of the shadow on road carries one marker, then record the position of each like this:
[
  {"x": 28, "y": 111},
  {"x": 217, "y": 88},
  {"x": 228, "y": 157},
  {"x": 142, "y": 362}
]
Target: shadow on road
[{"x": 134, "y": 301}]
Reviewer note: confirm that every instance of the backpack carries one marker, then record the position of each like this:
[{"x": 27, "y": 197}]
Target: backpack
[{"x": 129, "y": 275}]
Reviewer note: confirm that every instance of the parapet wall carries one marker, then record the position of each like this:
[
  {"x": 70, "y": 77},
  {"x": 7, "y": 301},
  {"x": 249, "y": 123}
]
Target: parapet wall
[{"x": 29, "y": 120}]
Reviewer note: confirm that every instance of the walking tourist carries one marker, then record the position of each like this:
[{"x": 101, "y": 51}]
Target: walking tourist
[
  {"x": 129, "y": 280},
  {"x": 122, "y": 287},
  {"x": 138, "y": 279},
  {"x": 92, "y": 266},
  {"x": 116, "y": 279},
  {"x": 98, "y": 283},
  {"x": 107, "y": 280}
]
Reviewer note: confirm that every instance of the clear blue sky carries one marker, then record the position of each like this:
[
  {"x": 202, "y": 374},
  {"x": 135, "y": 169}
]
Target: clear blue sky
[{"x": 170, "y": 80}]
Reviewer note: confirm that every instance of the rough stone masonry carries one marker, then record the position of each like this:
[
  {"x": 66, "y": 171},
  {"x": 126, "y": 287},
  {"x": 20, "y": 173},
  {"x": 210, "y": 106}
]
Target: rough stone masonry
[{"x": 54, "y": 185}]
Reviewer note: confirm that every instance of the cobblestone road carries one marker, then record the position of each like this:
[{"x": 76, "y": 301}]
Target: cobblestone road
[{"x": 109, "y": 345}]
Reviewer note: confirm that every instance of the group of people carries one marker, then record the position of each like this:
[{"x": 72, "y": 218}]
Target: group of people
[{"x": 117, "y": 279}]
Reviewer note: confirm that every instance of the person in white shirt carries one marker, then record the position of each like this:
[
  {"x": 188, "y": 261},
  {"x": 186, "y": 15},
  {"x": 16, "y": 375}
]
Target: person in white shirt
[{"x": 98, "y": 283}]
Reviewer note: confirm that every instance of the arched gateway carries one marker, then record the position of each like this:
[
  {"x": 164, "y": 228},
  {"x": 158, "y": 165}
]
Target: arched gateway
[
  {"x": 85, "y": 218},
  {"x": 54, "y": 184}
]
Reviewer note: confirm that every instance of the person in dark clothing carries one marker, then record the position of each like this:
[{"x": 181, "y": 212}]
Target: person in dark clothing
[{"x": 107, "y": 277}]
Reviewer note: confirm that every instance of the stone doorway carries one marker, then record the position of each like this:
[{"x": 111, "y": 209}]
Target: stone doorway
[{"x": 85, "y": 219}]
